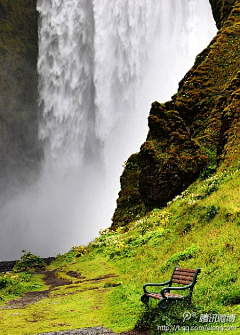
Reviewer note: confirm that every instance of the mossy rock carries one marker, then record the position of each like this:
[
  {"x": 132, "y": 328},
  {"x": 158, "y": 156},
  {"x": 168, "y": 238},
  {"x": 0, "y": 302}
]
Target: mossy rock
[{"x": 169, "y": 160}]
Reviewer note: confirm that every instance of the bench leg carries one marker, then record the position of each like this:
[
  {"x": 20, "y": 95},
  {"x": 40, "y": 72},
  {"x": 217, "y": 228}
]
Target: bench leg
[
  {"x": 145, "y": 299},
  {"x": 163, "y": 303}
]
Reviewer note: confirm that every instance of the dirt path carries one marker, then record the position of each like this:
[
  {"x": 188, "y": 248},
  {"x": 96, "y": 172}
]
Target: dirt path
[
  {"x": 52, "y": 281},
  {"x": 32, "y": 297}
]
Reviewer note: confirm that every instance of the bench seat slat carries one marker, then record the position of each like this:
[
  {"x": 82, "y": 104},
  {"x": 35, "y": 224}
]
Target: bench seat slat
[
  {"x": 187, "y": 274},
  {"x": 190, "y": 279},
  {"x": 185, "y": 270},
  {"x": 181, "y": 281},
  {"x": 159, "y": 296}
]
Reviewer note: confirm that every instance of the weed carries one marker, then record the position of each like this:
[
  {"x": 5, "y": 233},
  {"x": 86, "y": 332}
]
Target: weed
[
  {"x": 211, "y": 212},
  {"x": 68, "y": 257},
  {"x": 208, "y": 172},
  {"x": 212, "y": 187},
  {"x": 3, "y": 282}
]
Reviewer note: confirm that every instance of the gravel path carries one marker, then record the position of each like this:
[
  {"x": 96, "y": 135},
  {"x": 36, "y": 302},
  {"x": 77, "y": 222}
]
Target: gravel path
[
  {"x": 94, "y": 331},
  {"x": 83, "y": 331}
]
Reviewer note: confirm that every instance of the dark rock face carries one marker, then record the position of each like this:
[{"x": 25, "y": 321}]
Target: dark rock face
[
  {"x": 221, "y": 10},
  {"x": 199, "y": 127},
  {"x": 18, "y": 85},
  {"x": 169, "y": 160}
]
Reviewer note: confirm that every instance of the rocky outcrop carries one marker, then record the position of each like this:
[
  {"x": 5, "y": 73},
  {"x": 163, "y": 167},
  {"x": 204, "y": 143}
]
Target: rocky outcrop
[
  {"x": 18, "y": 85},
  {"x": 170, "y": 159},
  {"x": 199, "y": 128}
]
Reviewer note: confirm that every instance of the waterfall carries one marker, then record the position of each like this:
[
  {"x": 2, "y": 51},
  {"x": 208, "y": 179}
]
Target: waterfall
[
  {"x": 66, "y": 87},
  {"x": 101, "y": 64}
]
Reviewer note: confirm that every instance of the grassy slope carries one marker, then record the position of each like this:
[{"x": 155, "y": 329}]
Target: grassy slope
[{"x": 200, "y": 228}]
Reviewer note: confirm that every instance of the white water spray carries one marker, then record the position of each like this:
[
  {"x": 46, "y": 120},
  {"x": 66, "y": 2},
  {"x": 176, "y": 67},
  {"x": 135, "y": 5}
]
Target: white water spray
[{"x": 101, "y": 64}]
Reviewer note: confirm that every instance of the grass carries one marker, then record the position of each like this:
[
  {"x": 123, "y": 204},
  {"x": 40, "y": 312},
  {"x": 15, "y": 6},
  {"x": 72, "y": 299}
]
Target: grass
[{"x": 199, "y": 228}]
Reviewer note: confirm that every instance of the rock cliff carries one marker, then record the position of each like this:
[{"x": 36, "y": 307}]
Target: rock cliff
[
  {"x": 196, "y": 132},
  {"x": 18, "y": 87}
]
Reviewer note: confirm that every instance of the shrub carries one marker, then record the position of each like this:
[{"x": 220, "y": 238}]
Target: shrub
[
  {"x": 208, "y": 172},
  {"x": 211, "y": 212},
  {"x": 212, "y": 187},
  {"x": 231, "y": 296},
  {"x": 68, "y": 257},
  {"x": 28, "y": 262},
  {"x": 182, "y": 255},
  {"x": 153, "y": 317},
  {"x": 3, "y": 283},
  {"x": 79, "y": 250}
]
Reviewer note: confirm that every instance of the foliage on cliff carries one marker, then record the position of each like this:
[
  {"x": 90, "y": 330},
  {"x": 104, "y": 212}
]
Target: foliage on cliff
[
  {"x": 198, "y": 130},
  {"x": 129, "y": 204}
]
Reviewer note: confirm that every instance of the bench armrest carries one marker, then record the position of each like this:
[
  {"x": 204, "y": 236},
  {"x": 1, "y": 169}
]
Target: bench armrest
[
  {"x": 167, "y": 289},
  {"x": 155, "y": 284}
]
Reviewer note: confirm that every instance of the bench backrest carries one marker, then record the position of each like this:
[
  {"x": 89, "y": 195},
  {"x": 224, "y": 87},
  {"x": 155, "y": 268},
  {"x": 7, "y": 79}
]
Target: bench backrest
[{"x": 185, "y": 276}]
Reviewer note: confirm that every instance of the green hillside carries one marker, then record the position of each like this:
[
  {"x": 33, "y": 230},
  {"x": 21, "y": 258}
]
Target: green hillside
[{"x": 199, "y": 228}]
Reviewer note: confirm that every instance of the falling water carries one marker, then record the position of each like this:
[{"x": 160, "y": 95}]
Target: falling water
[{"x": 101, "y": 64}]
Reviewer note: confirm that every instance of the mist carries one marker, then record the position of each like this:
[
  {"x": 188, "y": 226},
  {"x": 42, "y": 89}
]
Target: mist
[{"x": 101, "y": 64}]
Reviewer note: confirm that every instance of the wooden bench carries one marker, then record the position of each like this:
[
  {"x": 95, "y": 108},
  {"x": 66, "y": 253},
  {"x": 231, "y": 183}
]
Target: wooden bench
[{"x": 186, "y": 277}]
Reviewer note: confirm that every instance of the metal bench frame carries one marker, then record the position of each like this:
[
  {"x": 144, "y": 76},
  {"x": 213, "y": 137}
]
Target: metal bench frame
[{"x": 187, "y": 277}]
